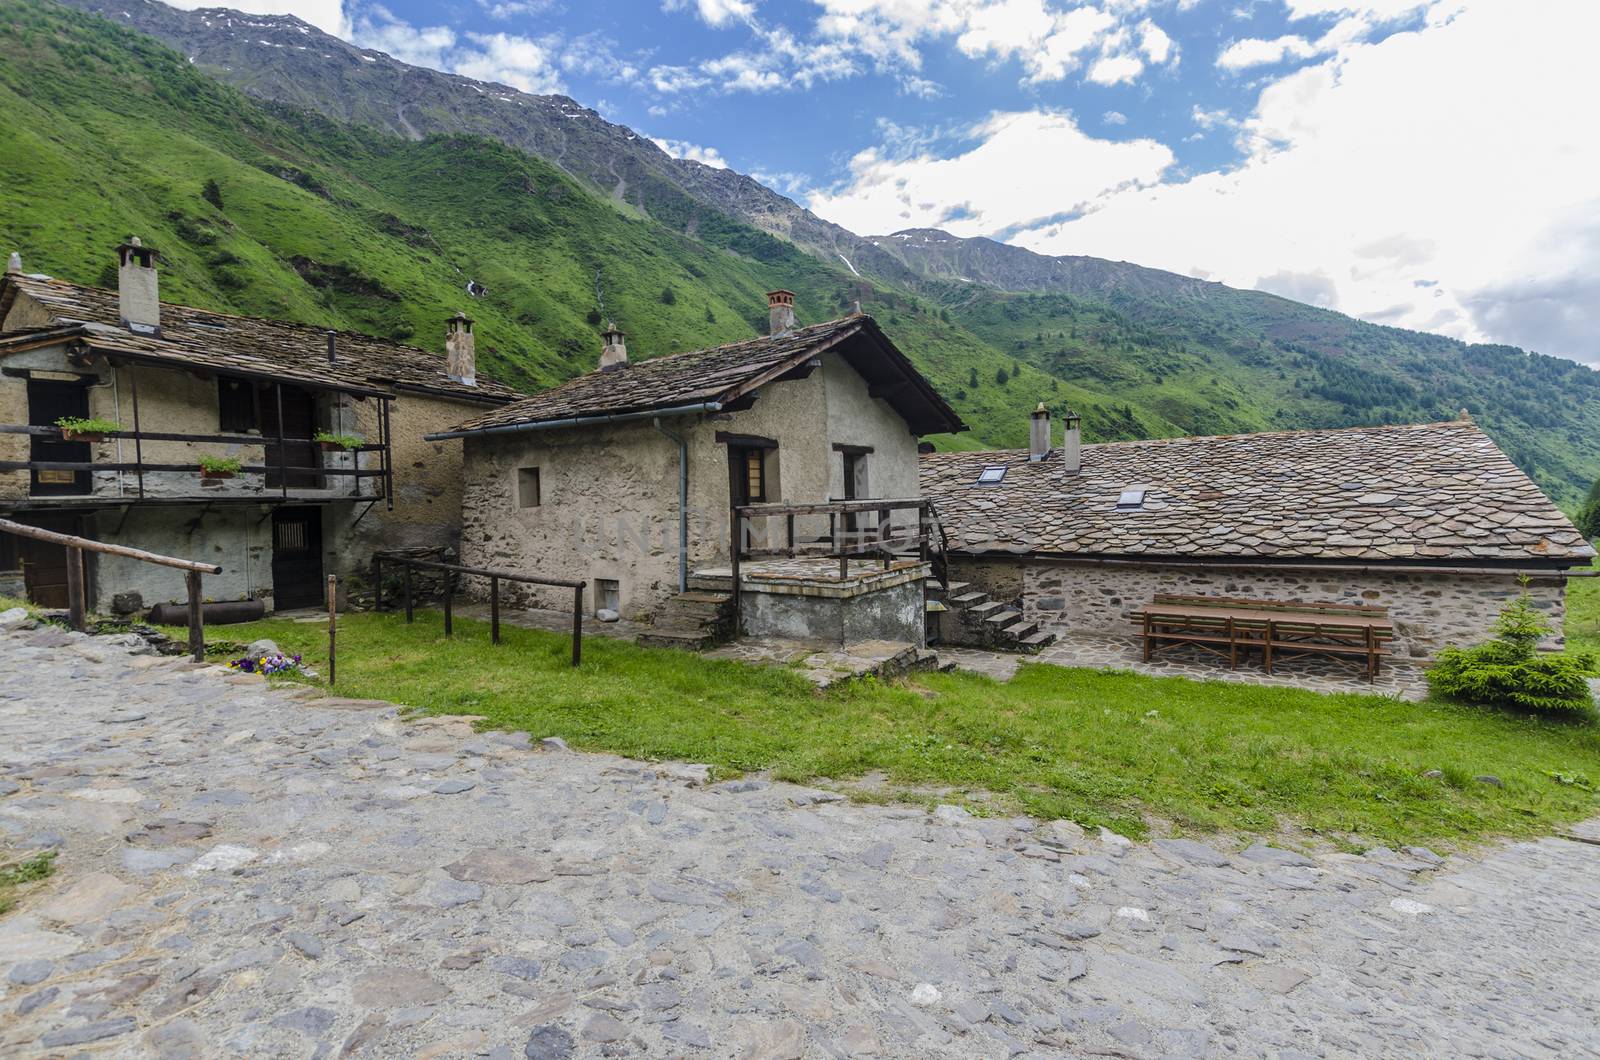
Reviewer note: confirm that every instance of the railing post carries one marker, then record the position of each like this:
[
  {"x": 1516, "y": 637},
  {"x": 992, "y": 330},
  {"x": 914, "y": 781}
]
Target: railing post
[
  {"x": 138, "y": 435},
  {"x": 407, "y": 568},
  {"x": 75, "y": 594},
  {"x": 494, "y": 610},
  {"x": 735, "y": 550},
  {"x": 883, "y": 535},
  {"x": 577, "y": 625},
  {"x": 449, "y": 599},
  {"x": 197, "y": 636},
  {"x": 333, "y": 599},
  {"x": 790, "y": 525},
  {"x": 283, "y": 448}
]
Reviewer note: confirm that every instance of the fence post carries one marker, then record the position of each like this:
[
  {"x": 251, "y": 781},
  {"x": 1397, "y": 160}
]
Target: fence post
[
  {"x": 494, "y": 610},
  {"x": 407, "y": 568},
  {"x": 577, "y": 624},
  {"x": 449, "y": 599},
  {"x": 75, "y": 594},
  {"x": 197, "y": 636},
  {"x": 333, "y": 599}
]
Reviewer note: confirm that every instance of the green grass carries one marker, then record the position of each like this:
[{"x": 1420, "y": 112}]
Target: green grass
[
  {"x": 1129, "y": 752},
  {"x": 1583, "y": 614},
  {"x": 15, "y": 877}
]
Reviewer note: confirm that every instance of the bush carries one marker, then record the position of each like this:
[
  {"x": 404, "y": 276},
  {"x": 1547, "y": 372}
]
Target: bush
[
  {"x": 1508, "y": 672},
  {"x": 212, "y": 194}
]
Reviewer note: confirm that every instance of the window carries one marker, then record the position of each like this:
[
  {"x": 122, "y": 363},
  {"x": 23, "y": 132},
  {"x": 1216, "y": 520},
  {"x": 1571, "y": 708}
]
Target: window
[
  {"x": 755, "y": 476},
  {"x": 607, "y": 594},
  {"x": 237, "y": 411},
  {"x": 992, "y": 476},
  {"x": 528, "y": 487},
  {"x": 1131, "y": 499}
]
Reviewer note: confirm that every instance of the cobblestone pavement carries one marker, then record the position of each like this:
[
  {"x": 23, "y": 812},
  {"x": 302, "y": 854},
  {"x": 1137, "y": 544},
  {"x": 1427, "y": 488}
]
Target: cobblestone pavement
[{"x": 248, "y": 871}]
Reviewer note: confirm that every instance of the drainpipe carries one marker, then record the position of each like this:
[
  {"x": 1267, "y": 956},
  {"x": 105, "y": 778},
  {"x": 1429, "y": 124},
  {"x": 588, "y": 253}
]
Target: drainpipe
[{"x": 683, "y": 504}]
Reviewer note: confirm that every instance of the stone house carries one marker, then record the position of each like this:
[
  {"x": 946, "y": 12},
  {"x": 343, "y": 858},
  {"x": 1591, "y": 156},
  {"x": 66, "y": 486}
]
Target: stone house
[
  {"x": 183, "y": 384},
  {"x": 1432, "y": 521},
  {"x": 624, "y": 478}
]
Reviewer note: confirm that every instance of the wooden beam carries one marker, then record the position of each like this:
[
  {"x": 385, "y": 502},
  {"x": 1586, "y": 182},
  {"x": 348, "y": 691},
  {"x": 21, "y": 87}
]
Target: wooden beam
[{"x": 745, "y": 441}]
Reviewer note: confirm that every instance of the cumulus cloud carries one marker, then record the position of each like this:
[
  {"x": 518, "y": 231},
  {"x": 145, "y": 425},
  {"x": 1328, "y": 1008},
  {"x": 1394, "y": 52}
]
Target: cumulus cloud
[
  {"x": 715, "y": 13},
  {"x": 1440, "y": 178},
  {"x": 1020, "y": 169},
  {"x": 1253, "y": 51},
  {"x": 708, "y": 156},
  {"x": 520, "y": 62}
]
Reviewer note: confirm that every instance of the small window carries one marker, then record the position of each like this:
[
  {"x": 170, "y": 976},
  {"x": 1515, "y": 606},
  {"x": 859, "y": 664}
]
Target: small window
[
  {"x": 237, "y": 411},
  {"x": 992, "y": 476},
  {"x": 1131, "y": 499},
  {"x": 528, "y": 487},
  {"x": 755, "y": 474},
  {"x": 607, "y": 594}
]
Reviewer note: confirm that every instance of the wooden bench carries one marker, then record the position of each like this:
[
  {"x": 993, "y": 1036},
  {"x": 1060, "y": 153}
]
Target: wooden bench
[{"x": 1228, "y": 627}]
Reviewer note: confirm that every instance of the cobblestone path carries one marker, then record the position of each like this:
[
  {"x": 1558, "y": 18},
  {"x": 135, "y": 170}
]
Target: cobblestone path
[{"x": 253, "y": 872}]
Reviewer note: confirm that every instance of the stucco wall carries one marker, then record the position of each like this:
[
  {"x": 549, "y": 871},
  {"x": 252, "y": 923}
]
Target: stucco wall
[
  {"x": 1430, "y": 611},
  {"x": 610, "y": 494},
  {"x": 237, "y": 538}
]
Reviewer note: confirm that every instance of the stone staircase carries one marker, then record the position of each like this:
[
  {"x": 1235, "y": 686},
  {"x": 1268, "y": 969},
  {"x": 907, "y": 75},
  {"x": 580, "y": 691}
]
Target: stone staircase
[
  {"x": 694, "y": 620},
  {"x": 970, "y": 618}
]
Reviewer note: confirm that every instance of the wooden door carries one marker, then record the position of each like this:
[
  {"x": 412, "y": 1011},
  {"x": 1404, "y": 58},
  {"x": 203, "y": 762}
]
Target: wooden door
[
  {"x": 301, "y": 455},
  {"x": 49, "y": 401},
  {"x": 44, "y": 565},
  {"x": 297, "y": 579}
]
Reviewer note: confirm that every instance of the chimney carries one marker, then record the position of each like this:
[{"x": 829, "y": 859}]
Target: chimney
[
  {"x": 1039, "y": 434},
  {"x": 14, "y": 263},
  {"x": 780, "y": 311},
  {"x": 1072, "y": 443},
  {"x": 460, "y": 353},
  {"x": 138, "y": 294},
  {"x": 614, "y": 354},
  {"x": 333, "y": 346}
]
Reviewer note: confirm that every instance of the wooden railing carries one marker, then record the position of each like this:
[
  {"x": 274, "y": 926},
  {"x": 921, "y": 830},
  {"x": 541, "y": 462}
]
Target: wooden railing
[
  {"x": 884, "y": 539},
  {"x": 77, "y": 546},
  {"x": 495, "y": 578},
  {"x": 281, "y": 467}
]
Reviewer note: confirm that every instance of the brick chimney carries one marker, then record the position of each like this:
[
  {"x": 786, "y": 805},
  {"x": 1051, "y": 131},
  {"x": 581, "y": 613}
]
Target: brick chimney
[
  {"x": 460, "y": 350},
  {"x": 1039, "y": 434},
  {"x": 138, "y": 291},
  {"x": 1072, "y": 443},
  {"x": 780, "y": 311},
  {"x": 614, "y": 354}
]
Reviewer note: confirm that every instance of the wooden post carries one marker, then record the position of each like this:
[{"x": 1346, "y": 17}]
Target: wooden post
[
  {"x": 790, "y": 523},
  {"x": 333, "y": 600},
  {"x": 449, "y": 600},
  {"x": 408, "y": 592},
  {"x": 883, "y": 535},
  {"x": 75, "y": 594},
  {"x": 494, "y": 610},
  {"x": 577, "y": 625},
  {"x": 283, "y": 449},
  {"x": 138, "y": 435},
  {"x": 197, "y": 636}
]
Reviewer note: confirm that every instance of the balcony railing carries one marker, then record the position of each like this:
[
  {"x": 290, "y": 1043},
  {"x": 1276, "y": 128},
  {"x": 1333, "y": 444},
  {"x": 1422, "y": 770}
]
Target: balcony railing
[
  {"x": 845, "y": 537},
  {"x": 280, "y": 463}
]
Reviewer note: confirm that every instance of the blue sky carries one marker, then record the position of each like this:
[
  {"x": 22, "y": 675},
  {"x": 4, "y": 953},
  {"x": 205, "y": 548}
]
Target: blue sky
[{"x": 1424, "y": 163}]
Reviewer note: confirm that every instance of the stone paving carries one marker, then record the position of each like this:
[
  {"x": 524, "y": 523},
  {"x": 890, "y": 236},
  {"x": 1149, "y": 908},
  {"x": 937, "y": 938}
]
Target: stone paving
[{"x": 250, "y": 871}]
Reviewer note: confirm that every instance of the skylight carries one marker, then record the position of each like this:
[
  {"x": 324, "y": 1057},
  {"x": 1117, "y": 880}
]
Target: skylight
[
  {"x": 1131, "y": 499},
  {"x": 992, "y": 475}
]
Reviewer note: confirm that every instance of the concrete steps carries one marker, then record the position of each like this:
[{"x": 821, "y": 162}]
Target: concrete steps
[
  {"x": 694, "y": 620},
  {"x": 969, "y": 617}
]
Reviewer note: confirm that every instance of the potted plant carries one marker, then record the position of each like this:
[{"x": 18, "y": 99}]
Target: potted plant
[
  {"x": 79, "y": 429},
  {"x": 219, "y": 467},
  {"x": 338, "y": 443}
]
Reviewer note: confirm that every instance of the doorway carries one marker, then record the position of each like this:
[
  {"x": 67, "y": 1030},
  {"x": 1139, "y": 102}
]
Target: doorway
[
  {"x": 300, "y": 455},
  {"x": 297, "y": 579},
  {"x": 44, "y": 565},
  {"x": 49, "y": 401}
]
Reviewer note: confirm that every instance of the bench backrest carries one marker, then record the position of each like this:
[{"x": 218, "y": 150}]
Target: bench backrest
[{"x": 1237, "y": 603}]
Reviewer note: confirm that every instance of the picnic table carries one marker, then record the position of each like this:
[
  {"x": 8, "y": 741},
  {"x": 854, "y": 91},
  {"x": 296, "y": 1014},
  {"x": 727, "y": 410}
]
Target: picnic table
[{"x": 1231, "y": 628}]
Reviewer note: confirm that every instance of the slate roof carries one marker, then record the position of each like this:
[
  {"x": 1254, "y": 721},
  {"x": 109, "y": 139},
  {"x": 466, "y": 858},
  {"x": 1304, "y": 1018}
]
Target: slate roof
[
  {"x": 1431, "y": 493},
  {"x": 251, "y": 345},
  {"x": 726, "y": 373}
]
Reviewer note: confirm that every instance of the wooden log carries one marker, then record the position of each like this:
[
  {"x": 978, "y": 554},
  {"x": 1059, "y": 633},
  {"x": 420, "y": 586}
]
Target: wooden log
[
  {"x": 90, "y": 545},
  {"x": 197, "y": 636},
  {"x": 75, "y": 593}
]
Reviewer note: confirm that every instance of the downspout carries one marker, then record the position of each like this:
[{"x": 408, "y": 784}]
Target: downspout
[{"x": 683, "y": 504}]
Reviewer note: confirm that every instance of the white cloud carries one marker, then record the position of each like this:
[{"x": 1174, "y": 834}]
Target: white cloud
[
  {"x": 1253, "y": 51},
  {"x": 716, "y": 13},
  {"x": 520, "y": 62},
  {"x": 1022, "y": 169},
  {"x": 327, "y": 15},
  {"x": 1114, "y": 117},
  {"x": 1115, "y": 69},
  {"x": 708, "y": 156}
]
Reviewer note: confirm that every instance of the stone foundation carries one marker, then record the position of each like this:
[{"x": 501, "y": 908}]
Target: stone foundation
[
  {"x": 894, "y": 613},
  {"x": 1430, "y": 611}
]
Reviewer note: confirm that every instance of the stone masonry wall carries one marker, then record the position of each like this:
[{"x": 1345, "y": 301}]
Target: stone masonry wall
[{"x": 1430, "y": 611}]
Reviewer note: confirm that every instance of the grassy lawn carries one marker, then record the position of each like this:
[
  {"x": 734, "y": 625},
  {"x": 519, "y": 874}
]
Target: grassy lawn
[
  {"x": 1583, "y": 614},
  {"x": 1130, "y": 752}
]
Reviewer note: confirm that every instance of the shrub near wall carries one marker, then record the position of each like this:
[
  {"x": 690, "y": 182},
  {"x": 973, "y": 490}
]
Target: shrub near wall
[{"x": 1509, "y": 672}]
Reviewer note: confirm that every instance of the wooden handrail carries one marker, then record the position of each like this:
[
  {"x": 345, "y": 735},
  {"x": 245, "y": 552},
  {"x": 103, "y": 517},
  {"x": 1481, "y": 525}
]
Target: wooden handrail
[
  {"x": 164, "y": 436},
  {"x": 77, "y": 546},
  {"x": 854, "y": 507}
]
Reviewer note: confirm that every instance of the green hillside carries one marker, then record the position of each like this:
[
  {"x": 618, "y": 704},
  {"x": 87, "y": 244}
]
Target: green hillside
[{"x": 107, "y": 133}]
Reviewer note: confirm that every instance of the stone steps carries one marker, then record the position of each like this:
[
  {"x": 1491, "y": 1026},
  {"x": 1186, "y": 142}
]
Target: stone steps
[
  {"x": 696, "y": 619},
  {"x": 977, "y": 621}
]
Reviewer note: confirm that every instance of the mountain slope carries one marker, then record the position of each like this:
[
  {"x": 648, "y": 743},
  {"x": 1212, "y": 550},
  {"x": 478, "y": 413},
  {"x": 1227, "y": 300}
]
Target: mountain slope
[{"x": 1142, "y": 351}]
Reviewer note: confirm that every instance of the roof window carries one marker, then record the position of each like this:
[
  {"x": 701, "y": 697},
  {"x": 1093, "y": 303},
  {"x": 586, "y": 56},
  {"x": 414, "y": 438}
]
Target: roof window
[
  {"x": 1131, "y": 499},
  {"x": 992, "y": 475},
  {"x": 207, "y": 322}
]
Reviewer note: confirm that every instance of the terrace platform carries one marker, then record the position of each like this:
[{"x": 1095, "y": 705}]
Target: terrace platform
[{"x": 806, "y": 599}]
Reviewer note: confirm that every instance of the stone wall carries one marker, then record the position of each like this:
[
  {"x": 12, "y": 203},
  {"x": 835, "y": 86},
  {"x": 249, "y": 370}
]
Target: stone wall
[
  {"x": 236, "y": 538},
  {"x": 609, "y": 495},
  {"x": 1430, "y": 611},
  {"x": 894, "y": 613}
]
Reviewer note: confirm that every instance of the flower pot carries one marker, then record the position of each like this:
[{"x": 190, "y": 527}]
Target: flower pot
[
  {"x": 215, "y": 474},
  {"x": 331, "y": 447},
  {"x": 82, "y": 436}
]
